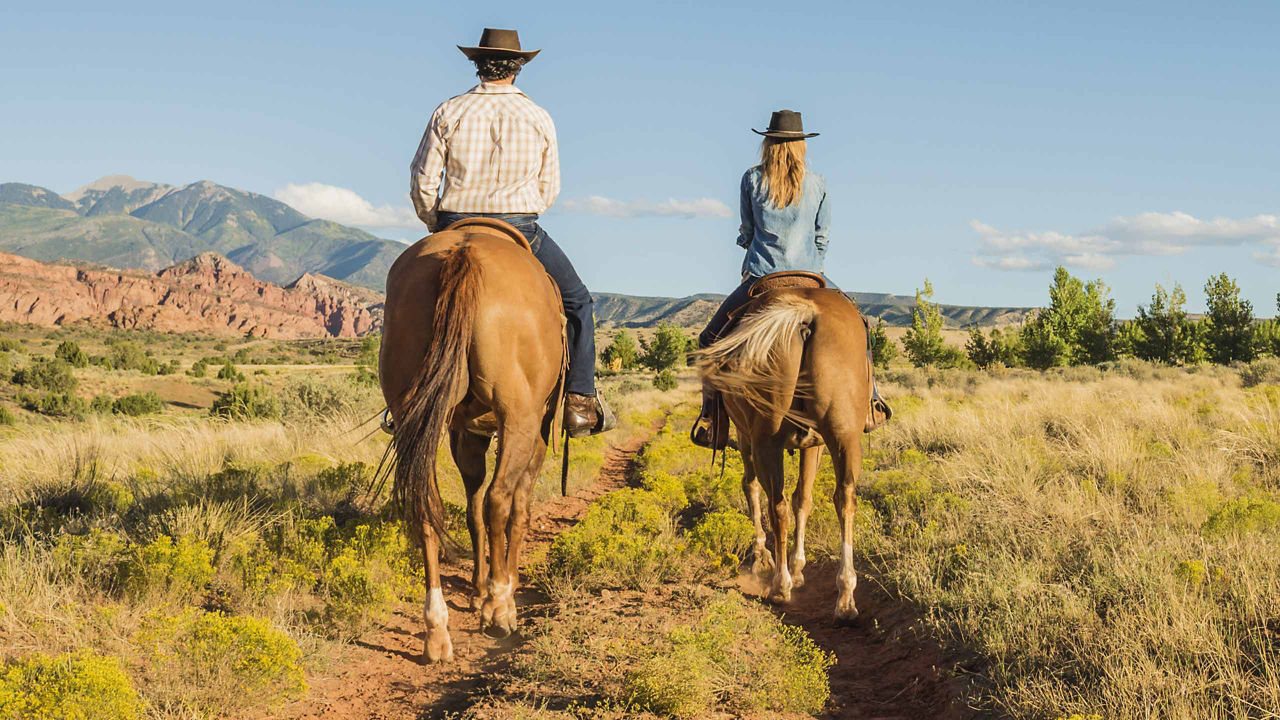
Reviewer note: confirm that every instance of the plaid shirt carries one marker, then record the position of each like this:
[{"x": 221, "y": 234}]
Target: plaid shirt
[{"x": 497, "y": 150}]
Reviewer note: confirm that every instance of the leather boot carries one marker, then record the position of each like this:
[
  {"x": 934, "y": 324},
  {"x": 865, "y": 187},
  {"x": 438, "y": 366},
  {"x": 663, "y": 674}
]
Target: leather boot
[{"x": 587, "y": 415}]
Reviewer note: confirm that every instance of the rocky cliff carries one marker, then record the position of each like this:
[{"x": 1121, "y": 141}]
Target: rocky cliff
[{"x": 207, "y": 293}]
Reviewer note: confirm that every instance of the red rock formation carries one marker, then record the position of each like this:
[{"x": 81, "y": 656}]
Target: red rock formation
[{"x": 206, "y": 293}]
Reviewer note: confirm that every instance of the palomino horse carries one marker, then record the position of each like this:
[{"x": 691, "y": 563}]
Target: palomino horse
[
  {"x": 795, "y": 375},
  {"x": 472, "y": 341}
]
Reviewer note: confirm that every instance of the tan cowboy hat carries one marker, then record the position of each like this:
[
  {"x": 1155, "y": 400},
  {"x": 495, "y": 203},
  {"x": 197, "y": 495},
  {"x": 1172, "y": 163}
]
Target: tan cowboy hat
[
  {"x": 498, "y": 43},
  {"x": 786, "y": 125}
]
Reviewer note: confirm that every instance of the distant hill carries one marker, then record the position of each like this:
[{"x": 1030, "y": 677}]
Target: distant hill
[
  {"x": 123, "y": 222},
  {"x": 206, "y": 293},
  {"x": 634, "y": 311}
]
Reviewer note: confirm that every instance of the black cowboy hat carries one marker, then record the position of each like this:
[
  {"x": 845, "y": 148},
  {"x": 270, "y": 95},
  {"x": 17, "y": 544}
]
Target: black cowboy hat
[
  {"x": 498, "y": 43},
  {"x": 786, "y": 125}
]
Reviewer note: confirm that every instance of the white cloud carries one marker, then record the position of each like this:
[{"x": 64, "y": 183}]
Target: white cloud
[
  {"x": 1269, "y": 257},
  {"x": 696, "y": 208},
  {"x": 345, "y": 206},
  {"x": 1149, "y": 233},
  {"x": 1016, "y": 262}
]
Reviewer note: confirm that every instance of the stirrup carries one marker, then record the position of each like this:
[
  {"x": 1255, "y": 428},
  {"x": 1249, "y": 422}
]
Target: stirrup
[{"x": 880, "y": 413}]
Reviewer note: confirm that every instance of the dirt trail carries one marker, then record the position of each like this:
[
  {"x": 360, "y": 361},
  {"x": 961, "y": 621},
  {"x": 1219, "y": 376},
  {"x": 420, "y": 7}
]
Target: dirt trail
[
  {"x": 382, "y": 677},
  {"x": 884, "y": 669}
]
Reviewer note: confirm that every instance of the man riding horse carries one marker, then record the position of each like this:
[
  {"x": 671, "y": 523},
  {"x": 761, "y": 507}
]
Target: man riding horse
[{"x": 497, "y": 151}]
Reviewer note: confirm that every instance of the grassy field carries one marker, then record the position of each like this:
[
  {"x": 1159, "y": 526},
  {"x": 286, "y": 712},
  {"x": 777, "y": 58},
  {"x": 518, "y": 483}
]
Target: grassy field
[{"x": 1086, "y": 543}]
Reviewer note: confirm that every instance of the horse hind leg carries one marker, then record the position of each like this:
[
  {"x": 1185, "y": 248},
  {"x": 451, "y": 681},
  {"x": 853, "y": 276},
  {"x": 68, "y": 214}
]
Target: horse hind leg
[
  {"x": 802, "y": 505},
  {"x": 518, "y": 524},
  {"x": 469, "y": 451},
  {"x": 846, "y": 454},
  {"x": 516, "y": 447},
  {"x": 761, "y": 561},
  {"x": 438, "y": 646},
  {"x": 768, "y": 462}
]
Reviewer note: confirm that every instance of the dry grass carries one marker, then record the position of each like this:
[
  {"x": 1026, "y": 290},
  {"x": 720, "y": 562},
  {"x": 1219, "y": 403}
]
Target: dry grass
[
  {"x": 1109, "y": 546},
  {"x": 266, "y": 519}
]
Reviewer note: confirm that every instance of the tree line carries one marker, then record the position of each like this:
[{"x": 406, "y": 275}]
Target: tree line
[{"x": 1079, "y": 327}]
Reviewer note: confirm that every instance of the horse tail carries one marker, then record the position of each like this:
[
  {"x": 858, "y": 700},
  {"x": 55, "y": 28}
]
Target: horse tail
[
  {"x": 759, "y": 360},
  {"x": 441, "y": 384}
]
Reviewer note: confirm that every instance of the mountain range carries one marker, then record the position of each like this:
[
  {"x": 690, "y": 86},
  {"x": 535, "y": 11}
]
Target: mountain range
[{"x": 121, "y": 222}]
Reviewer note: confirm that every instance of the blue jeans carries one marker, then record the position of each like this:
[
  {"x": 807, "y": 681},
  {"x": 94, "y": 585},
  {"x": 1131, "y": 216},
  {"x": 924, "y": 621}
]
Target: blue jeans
[
  {"x": 578, "y": 310},
  {"x": 736, "y": 299}
]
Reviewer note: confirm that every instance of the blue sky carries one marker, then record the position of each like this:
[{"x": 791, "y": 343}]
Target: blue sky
[{"x": 977, "y": 144}]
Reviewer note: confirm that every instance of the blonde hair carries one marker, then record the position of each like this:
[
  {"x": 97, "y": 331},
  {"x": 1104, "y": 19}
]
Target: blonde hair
[{"x": 782, "y": 167}]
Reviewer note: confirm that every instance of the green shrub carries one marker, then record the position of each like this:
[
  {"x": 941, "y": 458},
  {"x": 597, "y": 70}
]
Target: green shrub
[
  {"x": 622, "y": 353},
  {"x": 168, "y": 569},
  {"x": 724, "y": 536},
  {"x": 129, "y": 356},
  {"x": 364, "y": 376},
  {"x": 320, "y": 397},
  {"x": 69, "y": 352},
  {"x": 137, "y": 404},
  {"x": 665, "y": 381},
  {"x": 97, "y": 556},
  {"x": 218, "y": 664},
  {"x": 626, "y": 539},
  {"x": 666, "y": 350},
  {"x": 883, "y": 349},
  {"x": 358, "y": 572},
  {"x": 243, "y": 402},
  {"x": 681, "y": 683},
  {"x": 51, "y": 375},
  {"x": 737, "y": 657},
  {"x": 6, "y": 416},
  {"x": 10, "y": 345},
  {"x": 370, "y": 349},
  {"x": 101, "y": 404},
  {"x": 229, "y": 372},
  {"x": 54, "y": 404},
  {"x": 1260, "y": 371},
  {"x": 1244, "y": 515},
  {"x": 199, "y": 369},
  {"x": 75, "y": 686},
  {"x": 365, "y": 575}
]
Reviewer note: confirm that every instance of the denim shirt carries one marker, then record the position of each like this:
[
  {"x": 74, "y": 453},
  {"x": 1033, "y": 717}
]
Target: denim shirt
[{"x": 789, "y": 238}]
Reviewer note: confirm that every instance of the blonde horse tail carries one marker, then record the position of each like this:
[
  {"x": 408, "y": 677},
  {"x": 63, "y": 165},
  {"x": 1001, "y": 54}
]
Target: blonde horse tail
[
  {"x": 759, "y": 360},
  {"x": 441, "y": 384}
]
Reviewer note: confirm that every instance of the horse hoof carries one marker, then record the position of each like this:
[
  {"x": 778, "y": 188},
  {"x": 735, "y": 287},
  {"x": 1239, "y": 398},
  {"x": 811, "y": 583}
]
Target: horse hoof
[
  {"x": 438, "y": 649},
  {"x": 847, "y": 617},
  {"x": 477, "y": 601},
  {"x": 777, "y": 597},
  {"x": 499, "y": 630},
  {"x": 797, "y": 580}
]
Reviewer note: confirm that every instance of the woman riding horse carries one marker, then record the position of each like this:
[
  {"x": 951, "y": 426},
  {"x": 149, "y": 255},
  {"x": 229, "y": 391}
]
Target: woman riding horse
[{"x": 785, "y": 219}]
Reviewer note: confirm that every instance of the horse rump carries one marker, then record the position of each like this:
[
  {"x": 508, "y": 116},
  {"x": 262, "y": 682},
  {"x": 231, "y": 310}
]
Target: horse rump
[{"x": 439, "y": 386}]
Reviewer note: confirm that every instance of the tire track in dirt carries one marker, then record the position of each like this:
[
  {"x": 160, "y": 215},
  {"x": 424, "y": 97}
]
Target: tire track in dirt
[{"x": 381, "y": 676}]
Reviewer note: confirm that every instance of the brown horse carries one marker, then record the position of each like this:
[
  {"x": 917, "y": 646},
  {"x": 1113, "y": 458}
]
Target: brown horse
[
  {"x": 472, "y": 342},
  {"x": 795, "y": 375}
]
